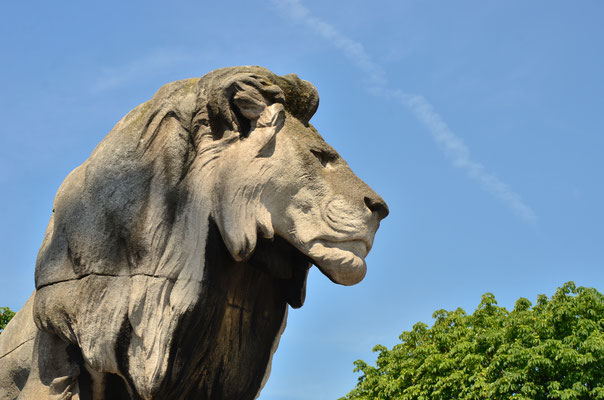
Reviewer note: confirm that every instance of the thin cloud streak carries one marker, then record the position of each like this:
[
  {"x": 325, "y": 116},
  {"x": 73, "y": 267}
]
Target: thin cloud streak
[
  {"x": 450, "y": 144},
  {"x": 353, "y": 50},
  {"x": 459, "y": 154}
]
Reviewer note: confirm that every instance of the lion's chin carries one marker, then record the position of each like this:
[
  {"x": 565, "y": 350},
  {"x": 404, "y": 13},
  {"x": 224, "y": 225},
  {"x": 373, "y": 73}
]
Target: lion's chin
[{"x": 342, "y": 262}]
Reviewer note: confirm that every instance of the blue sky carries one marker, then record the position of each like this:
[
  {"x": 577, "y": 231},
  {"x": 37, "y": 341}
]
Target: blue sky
[{"x": 480, "y": 122}]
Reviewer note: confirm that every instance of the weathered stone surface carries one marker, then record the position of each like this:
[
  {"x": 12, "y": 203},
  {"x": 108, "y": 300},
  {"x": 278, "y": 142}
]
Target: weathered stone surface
[
  {"x": 173, "y": 252},
  {"x": 16, "y": 349}
]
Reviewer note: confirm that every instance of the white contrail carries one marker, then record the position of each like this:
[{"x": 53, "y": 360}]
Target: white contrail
[
  {"x": 352, "y": 49},
  {"x": 453, "y": 147},
  {"x": 459, "y": 154}
]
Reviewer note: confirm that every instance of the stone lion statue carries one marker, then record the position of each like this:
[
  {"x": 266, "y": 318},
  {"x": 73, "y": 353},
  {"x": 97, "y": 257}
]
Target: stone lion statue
[{"x": 173, "y": 252}]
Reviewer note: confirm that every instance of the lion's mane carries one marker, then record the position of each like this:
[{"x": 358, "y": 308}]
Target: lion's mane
[{"x": 138, "y": 265}]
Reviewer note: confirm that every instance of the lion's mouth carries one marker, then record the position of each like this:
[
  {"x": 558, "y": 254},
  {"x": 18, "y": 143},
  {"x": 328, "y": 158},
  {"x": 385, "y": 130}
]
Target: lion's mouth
[{"x": 342, "y": 262}]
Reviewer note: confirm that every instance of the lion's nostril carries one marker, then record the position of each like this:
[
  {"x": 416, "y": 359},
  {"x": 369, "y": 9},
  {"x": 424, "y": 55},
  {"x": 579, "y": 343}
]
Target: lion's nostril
[{"x": 378, "y": 206}]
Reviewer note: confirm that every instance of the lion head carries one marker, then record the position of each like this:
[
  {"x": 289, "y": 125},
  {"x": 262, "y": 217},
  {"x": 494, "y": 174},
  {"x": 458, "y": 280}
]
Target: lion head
[
  {"x": 191, "y": 227},
  {"x": 277, "y": 176}
]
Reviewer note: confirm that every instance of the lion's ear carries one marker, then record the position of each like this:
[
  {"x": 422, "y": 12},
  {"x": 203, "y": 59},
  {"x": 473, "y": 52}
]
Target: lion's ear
[
  {"x": 265, "y": 129},
  {"x": 264, "y": 120},
  {"x": 249, "y": 101}
]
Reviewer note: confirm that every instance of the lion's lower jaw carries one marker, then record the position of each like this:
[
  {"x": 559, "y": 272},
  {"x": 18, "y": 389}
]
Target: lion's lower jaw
[{"x": 343, "y": 263}]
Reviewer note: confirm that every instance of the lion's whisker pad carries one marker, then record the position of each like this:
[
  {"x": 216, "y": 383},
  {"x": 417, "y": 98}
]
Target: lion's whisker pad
[{"x": 172, "y": 253}]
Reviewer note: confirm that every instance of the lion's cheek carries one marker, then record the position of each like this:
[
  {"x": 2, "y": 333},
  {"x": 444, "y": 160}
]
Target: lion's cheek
[
  {"x": 302, "y": 224},
  {"x": 344, "y": 266}
]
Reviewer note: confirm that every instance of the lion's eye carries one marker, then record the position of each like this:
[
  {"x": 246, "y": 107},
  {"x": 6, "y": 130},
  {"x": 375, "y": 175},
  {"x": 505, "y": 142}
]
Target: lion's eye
[{"x": 324, "y": 157}]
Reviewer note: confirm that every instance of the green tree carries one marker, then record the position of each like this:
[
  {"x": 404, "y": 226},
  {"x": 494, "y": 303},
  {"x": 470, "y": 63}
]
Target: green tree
[
  {"x": 554, "y": 350},
  {"x": 5, "y": 315}
]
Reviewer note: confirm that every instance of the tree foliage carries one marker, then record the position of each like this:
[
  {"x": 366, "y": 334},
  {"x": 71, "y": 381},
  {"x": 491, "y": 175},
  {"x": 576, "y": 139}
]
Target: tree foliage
[
  {"x": 5, "y": 315},
  {"x": 554, "y": 350}
]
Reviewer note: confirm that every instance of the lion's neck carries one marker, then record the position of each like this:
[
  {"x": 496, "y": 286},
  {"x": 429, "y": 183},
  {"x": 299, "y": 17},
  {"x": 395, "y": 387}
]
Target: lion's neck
[{"x": 224, "y": 344}]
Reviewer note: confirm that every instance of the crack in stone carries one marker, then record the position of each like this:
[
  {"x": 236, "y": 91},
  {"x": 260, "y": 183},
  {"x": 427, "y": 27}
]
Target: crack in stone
[
  {"x": 238, "y": 307},
  {"x": 173, "y": 280},
  {"x": 15, "y": 348}
]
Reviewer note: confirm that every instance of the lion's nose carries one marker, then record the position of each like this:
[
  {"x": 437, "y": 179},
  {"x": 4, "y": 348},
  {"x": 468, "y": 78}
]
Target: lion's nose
[{"x": 377, "y": 206}]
